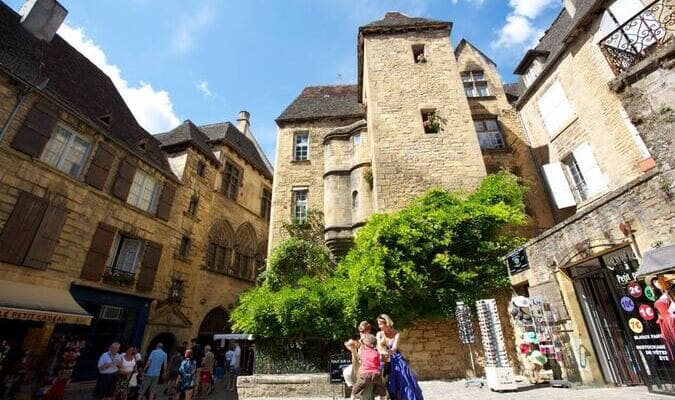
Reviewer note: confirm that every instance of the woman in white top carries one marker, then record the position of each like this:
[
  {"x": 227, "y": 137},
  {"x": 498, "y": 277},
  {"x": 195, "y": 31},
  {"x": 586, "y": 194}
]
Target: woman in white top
[{"x": 126, "y": 364}]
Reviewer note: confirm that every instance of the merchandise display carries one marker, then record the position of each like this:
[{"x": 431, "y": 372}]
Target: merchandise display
[
  {"x": 498, "y": 369},
  {"x": 467, "y": 336}
]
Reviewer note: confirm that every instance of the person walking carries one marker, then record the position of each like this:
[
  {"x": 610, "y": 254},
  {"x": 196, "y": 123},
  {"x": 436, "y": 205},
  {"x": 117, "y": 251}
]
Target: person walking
[
  {"x": 154, "y": 368},
  {"x": 206, "y": 372},
  {"x": 401, "y": 381},
  {"x": 174, "y": 366},
  {"x": 369, "y": 372},
  {"x": 107, "y": 372},
  {"x": 186, "y": 380},
  {"x": 235, "y": 365},
  {"x": 126, "y": 366},
  {"x": 352, "y": 371}
]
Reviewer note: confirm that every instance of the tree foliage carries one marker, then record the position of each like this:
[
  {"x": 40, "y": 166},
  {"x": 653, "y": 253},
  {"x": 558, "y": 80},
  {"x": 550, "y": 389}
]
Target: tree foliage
[{"x": 412, "y": 264}]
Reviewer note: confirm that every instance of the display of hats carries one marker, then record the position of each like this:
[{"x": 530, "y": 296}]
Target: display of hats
[
  {"x": 521, "y": 301},
  {"x": 530, "y": 337},
  {"x": 537, "y": 357}
]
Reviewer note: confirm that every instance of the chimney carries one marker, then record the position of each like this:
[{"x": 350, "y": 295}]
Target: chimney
[
  {"x": 42, "y": 17},
  {"x": 242, "y": 122},
  {"x": 570, "y": 7}
]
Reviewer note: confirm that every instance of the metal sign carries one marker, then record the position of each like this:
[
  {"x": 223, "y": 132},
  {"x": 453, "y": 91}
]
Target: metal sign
[
  {"x": 337, "y": 363},
  {"x": 517, "y": 261}
]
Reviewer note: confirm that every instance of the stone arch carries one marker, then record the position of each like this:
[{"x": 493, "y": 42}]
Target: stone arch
[
  {"x": 168, "y": 340},
  {"x": 215, "y": 321},
  {"x": 219, "y": 250},
  {"x": 245, "y": 248}
]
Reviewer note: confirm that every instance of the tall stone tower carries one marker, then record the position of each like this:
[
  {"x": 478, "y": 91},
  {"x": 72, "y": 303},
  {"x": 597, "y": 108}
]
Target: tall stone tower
[
  {"x": 407, "y": 75},
  {"x": 353, "y": 150}
]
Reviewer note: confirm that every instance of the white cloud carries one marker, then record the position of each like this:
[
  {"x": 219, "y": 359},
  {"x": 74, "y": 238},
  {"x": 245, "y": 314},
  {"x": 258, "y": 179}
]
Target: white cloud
[
  {"x": 203, "y": 86},
  {"x": 191, "y": 26},
  {"x": 152, "y": 108},
  {"x": 519, "y": 29},
  {"x": 475, "y": 2}
]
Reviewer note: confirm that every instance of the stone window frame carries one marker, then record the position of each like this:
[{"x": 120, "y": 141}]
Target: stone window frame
[
  {"x": 230, "y": 183},
  {"x": 294, "y": 206},
  {"x": 472, "y": 80},
  {"x": 298, "y": 153},
  {"x": 201, "y": 168},
  {"x": 184, "y": 246},
  {"x": 497, "y": 139},
  {"x": 193, "y": 206},
  {"x": 355, "y": 200},
  {"x": 141, "y": 181},
  {"x": 120, "y": 240},
  {"x": 67, "y": 147},
  {"x": 266, "y": 203}
]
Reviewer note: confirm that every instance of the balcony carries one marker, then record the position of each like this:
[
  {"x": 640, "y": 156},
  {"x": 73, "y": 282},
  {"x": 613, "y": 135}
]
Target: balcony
[
  {"x": 639, "y": 36},
  {"x": 118, "y": 277}
]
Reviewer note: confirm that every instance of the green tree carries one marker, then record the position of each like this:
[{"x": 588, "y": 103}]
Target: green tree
[{"x": 412, "y": 264}]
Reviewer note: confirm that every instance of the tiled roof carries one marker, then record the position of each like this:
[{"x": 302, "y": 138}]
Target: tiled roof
[
  {"x": 324, "y": 102},
  {"x": 396, "y": 19},
  {"x": 227, "y": 133},
  {"x": 76, "y": 82},
  {"x": 514, "y": 90},
  {"x": 185, "y": 133}
]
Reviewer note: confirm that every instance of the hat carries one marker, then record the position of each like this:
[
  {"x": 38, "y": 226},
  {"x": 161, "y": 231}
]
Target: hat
[
  {"x": 530, "y": 337},
  {"x": 521, "y": 301},
  {"x": 537, "y": 358}
]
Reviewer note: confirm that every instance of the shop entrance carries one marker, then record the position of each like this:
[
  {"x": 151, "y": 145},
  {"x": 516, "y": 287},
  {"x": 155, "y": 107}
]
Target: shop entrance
[{"x": 168, "y": 341}]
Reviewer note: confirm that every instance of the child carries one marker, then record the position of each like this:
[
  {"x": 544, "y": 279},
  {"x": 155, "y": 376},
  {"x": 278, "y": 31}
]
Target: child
[{"x": 370, "y": 369}]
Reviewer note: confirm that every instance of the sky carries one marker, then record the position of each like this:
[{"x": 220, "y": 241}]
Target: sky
[{"x": 206, "y": 60}]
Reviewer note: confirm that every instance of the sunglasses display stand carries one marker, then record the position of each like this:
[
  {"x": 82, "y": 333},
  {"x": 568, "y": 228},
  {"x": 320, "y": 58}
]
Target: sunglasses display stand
[
  {"x": 498, "y": 371},
  {"x": 467, "y": 336}
]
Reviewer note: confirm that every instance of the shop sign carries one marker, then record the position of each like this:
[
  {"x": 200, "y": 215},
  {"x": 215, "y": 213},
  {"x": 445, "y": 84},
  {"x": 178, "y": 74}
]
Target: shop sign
[
  {"x": 517, "y": 261},
  {"x": 39, "y": 316}
]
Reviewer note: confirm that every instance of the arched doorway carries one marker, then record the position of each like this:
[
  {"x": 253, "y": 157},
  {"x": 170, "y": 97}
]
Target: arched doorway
[
  {"x": 216, "y": 321},
  {"x": 168, "y": 341}
]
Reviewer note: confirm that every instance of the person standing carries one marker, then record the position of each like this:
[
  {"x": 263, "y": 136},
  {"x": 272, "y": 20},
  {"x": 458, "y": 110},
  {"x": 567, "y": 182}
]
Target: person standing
[
  {"x": 206, "y": 373},
  {"x": 369, "y": 373},
  {"x": 352, "y": 371},
  {"x": 401, "y": 381},
  {"x": 174, "y": 366},
  {"x": 186, "y": 380},
  {"x": 153, "y": 370},
  {"x": 107, "y": 372},
  {"x": 126, "y": 365}
]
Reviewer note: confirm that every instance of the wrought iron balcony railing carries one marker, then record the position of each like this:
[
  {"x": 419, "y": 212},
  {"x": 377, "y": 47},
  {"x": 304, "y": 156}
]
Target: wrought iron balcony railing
[{"x": 638, "y": 37}]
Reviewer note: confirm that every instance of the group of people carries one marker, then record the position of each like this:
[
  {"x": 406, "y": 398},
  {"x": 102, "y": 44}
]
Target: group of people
[
  {"x": 124, "y": 375},
  {"x": 378, "y": 362}
]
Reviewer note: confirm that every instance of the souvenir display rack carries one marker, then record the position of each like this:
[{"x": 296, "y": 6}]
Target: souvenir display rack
[
  {"x": 498, "y": 371},
  {"x": 544, "y": 324}
]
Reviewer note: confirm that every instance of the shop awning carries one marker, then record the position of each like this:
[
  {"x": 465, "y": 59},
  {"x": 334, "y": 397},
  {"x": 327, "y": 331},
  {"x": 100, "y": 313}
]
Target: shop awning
[
  {"x": 232, "y": 336},
  {"x": 657, "y": 261},
  {"x": 38, "y": 303}
]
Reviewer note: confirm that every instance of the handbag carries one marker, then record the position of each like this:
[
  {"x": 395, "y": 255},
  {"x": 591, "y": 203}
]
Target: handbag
[{"x": 133, "y": 381}]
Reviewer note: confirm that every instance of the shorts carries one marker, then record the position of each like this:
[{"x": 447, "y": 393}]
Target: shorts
[
  {"x": 149, "y": 383},
  {"x": 204, "y": 377},
  {"x": 374, "y": 378}
]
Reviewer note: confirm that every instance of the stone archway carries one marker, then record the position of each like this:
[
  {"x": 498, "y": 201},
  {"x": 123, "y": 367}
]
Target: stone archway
[
  {"x": 216, "y": 321},
  {"x": 168, "y": 340}
]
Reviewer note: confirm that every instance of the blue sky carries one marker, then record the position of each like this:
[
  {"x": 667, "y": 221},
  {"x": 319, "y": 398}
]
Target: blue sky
[{"x": 206, "y": 60}]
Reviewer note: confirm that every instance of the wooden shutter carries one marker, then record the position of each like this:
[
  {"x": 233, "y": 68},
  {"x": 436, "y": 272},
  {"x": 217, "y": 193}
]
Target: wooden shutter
[
  {"x": 35, "y": 131},
  {"x": 146, "y": 278},
  {"x": 165, "y": 202},
  {"x": 557, "y": 183},
  {"x": 589, "y": 169},
  {"x": 20, "y": 228},
  {"x": 100, "y": 166},
  {"x": 99, "y": 251},
  {"x": 125, "y": 177},
  {"x": 40, "y": 252}
]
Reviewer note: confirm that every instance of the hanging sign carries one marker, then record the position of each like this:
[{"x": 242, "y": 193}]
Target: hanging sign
[{"x": 517, "y": 261}]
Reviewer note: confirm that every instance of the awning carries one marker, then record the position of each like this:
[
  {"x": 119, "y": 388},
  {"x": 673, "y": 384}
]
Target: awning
[
  {"x": 38, "y": 303},
  {"x": 232, "y": 336},
  {"x": 656, "y": 261}
]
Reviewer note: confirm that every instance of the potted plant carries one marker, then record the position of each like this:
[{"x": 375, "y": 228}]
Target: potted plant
[
  {"x": 432, "y": 123},
  {"x": 421, "y": 59}
]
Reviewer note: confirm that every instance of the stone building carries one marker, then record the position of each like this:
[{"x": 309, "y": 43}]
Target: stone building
[
  {"x": 107, "y": 232},
  {"x": 595, "y": 100}
]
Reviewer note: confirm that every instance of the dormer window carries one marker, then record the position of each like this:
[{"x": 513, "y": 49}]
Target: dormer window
[
  {"x": 106, "y": 119},
  {"x": 532, "y": 72},
  {"x": 475, "y": 84},
  {"x": 418, "y": 54}
]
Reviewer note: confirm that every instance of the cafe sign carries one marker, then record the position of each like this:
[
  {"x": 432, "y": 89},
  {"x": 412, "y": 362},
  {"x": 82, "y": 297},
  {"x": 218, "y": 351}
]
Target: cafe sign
[{"x": 44, "y": 316}]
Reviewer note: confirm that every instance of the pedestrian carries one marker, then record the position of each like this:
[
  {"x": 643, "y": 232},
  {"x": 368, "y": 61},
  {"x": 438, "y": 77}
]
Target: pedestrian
[
  {"x": 126, "y": 366},
  {"x": 235, "y": 364},
  {"x": 369, "y": 372},
  {"x": 186, "y": 380},
  {"x": 174, "y": 366},
  {"x": 352, "y": 371},
  {"x": 228, "y": 357},
  {"x": 401, "y": 381},
  {"x": 107, "y": 372},
  {"x": 154, "y": 368},
  {"x": 206, "y": 372}
]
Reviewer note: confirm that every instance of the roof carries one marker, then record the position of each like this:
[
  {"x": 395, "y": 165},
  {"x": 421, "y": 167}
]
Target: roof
[
  {"x": 514, "y": 90},
  {"x": 187, "y": 133},
  {"x": 227, "y": 133},
  {"x": 75, "y": 83},
  {"x": 530, "y": 55},
  {"x": 465, "y": 42},
  {"x": 316, "y": 102},
  {"x": 398, "y": 20}
]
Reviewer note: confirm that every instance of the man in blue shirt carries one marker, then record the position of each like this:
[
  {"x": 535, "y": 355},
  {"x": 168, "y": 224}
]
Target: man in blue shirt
[{"x": 153, "y": 370}]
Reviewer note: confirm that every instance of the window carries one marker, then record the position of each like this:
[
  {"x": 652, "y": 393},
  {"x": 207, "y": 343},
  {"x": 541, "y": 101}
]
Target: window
[
  {"x": 355, "y": 199},
  {"x": 489, "y": 135},
  {"x": 301, "y": 149},
  {"x": 266, "y": 204},
  {"x": 66, "y": 151},
  {"x": 300, "y": 206},
  {"x": 418, "y": 54},
  {"x": 532, "y": 72},
  {"x": 176, "y": 291},
  {"x": 218, "y": 257},
  {"x": 431, "y": 121},
  {"x": 356, "y": 138},
  {"x": 578, "y": 183},
  {"x": 231, "y": 178},
  {"x": 201, "y": 169},
  {"x": 555, "y": 109},
  {"x": 475, "y": 84},
  {"x": 125, "y": 253},
  {"x": 192, "y": 207},
  {"x": 143, "y": 192},
  {"x": 584, "y": 175},
  {"x": 185, "y": 244}
]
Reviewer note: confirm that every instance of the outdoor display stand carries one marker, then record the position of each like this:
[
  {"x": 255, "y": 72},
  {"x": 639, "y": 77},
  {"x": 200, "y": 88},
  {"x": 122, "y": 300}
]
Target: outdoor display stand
[
  {"x": 545, "y": 325},
  {"x": 467, "y": 336},
  {"x": 498, "y": 371}
]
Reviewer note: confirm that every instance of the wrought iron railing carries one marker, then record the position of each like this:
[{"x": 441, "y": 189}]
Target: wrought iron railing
[
  {"x": 118, "y": 277},
  {"x": 638, "y": 37}
]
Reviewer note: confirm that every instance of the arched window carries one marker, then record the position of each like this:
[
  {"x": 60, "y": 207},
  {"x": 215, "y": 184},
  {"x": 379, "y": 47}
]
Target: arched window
[
  {"x": 355, "y": 199},
  {"x": 244, "y": 252},
  {"x": 219, "y": 251},
  {"x": 261, "y": 258}
]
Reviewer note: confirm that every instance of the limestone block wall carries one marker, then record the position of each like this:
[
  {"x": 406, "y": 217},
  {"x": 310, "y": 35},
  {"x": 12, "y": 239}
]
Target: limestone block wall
[{"x": 406, "y": 160}]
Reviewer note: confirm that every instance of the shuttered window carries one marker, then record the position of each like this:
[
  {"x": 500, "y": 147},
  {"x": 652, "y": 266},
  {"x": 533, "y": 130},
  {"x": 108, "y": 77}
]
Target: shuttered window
[
  {"x": 99, "y": 252},
  {"x": 125, "y": 254},
  {"x": 31, "y": 232},
  {"x": 558, "y": 185},
  {"x": 125, "y": 177},
  {"x": 585, "y": 172},
  {"x": 143, "y": 191},
  {"x": 555, "y": 109},
  {"x": 98, "y": 172},
  {"x": 66, "y": 151},
  {"x": 149, "y": 265},
  {"x": 35, "y": 131},
  {"x": 166, "y": 201}
]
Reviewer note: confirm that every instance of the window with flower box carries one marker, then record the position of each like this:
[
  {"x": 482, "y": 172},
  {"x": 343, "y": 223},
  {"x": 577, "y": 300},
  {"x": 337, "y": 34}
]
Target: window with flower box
[
  {"x": 475, "y": 84},
  {"x": 431, "y": 121},
  {"x": 122, "y": 261},
  {"x": 489, "y": 134}
]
